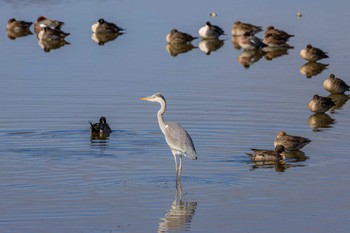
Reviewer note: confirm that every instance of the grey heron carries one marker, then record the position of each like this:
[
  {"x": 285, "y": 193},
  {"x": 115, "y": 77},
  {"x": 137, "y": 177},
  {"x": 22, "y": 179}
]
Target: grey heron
[{"x": 176, "y": 136}]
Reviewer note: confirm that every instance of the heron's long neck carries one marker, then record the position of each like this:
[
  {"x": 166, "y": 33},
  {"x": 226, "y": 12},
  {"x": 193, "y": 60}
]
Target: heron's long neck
[{"x": 160, "y": 117}]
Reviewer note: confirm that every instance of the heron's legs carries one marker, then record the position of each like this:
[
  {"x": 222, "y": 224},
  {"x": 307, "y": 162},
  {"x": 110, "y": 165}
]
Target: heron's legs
[
  {"x": 174, "y": 154},
  {"x": 178, "y": 194},
  {"x": 180, "y": 166}
]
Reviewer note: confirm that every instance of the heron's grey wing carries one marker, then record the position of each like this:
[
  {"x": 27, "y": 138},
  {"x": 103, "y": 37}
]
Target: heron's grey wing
[{"x": 178, "y": 139}]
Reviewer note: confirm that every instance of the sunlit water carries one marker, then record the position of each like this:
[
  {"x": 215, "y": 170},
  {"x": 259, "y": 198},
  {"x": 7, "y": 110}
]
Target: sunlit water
[{"x": 54, "y": 179}]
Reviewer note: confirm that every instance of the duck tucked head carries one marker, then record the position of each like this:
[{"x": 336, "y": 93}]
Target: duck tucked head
[
  {"x": 40, "y": 18},
  {"x": 309, "y": 46},
  {"x": 103, "y": 120},
  {"x": 101, "y": 21},
  {"x": 279, "y": 148},
  {"x": 12, "y": 20},
  {"x": 316, "y": 97},
  {"x": 281, "y": 134},
  {"x": 332, "y": 76},
  {"x": 247, "y": 34}
]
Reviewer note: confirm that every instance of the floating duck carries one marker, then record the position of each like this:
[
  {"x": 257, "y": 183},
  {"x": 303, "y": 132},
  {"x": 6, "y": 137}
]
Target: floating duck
[
  {"x": 335, "y": 85},
  {"x": 319, "y": 104},
  {"x": 312, "y": 53},
  {"x": 102, "y": 26},
  {"x": 209, "y": 31},
  {"x": 290, "y": 142},
  {"x": 267, "y": 155}
]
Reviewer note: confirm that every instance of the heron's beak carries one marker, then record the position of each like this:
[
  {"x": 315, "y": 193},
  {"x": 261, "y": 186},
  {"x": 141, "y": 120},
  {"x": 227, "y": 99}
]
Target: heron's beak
[{"x": 145, "y": 98}]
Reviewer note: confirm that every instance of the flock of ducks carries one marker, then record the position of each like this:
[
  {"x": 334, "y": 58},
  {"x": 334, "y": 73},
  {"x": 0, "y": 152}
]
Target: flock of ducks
[
  {"x": 50, "y": 35},
  {"x": 244, "y": 36},
  {"x": 49, "y": 32}
]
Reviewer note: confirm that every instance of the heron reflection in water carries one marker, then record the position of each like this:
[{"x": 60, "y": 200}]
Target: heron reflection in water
[
  {"x": 176, "y": 136},
  {"x": 180, "y": 214}
]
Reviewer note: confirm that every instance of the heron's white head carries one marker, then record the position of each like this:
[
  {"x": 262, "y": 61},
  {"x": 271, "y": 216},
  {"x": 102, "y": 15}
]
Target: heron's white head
[{"x": 157, "y": 97}]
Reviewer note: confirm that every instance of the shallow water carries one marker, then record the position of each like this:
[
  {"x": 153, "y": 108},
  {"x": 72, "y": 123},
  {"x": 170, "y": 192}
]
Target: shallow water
[{"x": 54, "y": 179}]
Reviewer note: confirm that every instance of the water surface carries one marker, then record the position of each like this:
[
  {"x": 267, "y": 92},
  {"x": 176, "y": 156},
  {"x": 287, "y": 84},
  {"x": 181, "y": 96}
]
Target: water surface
[{"x": 54, "y": 179}]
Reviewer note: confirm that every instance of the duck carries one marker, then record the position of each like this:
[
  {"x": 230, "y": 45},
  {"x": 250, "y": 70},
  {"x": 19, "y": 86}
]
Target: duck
[
  {"x": 335, "y": 85},
  {"x": 177, "y": 37},
  {"x": 267, "y": 155},
  {"x": 102, "y": 127},
  {"x": 250, "y": 42},
  {"x": 312, "y": 53},
  {"x": 276, "y": 41},
  {"x": 210, "y": 31},
  {"x": 102, "y": 26},
  {"x": 239, "y": 28},
  {"x": 17, "y": 25},
  {"x": 319, "y": 104},
  {"x": 290, "y": 142},
  {"x": 52, "y": 34},
  {"x": 274, "y": 31},
  {"x": 43, "y": 22}
]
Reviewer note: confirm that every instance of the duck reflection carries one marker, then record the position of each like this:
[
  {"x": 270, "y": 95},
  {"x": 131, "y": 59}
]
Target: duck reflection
[
  {"x": 320, "y": 120},
  {"x": 178, "y": 48},
  {"x": 295, "y": 156},
  {"x": 275, "y": 52},
  {"x": 249, "y": 57},
  {"x": 210, "y": 45},
  {"x": 340, "y": 100},
  {"x": 14, "y": 34},
  {"x": 180, "y": 214},
  {"x": 98, "y": 137},
  {"x": 48, "y": 45},
  {"x": 279, "y": 166},
  {"x": 311, "y": 69},
  {"x": 17, "y": 28},
  {"x": 102, "y": 38}
]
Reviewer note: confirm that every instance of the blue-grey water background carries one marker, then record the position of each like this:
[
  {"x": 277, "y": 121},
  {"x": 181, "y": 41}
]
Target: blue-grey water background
[{"x": 54, "y": 179}]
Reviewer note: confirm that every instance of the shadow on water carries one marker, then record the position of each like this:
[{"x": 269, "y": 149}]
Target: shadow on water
[
  {"x": 103, "y": 38},
  {"x": 211, "y": 45},
  {"x": 179, "y": 216},
  {"x": 48, "y": 45},
  {"x": 273, "y": 53},
  {"x": 279, "y": 166},
  {"x": 340, "y": 101},
  {"x": 311, "y": 69},
  {"x": 249, "y": 57},
  {"x": 179, "y": 48},
  {"x": 319, "y": 121}
]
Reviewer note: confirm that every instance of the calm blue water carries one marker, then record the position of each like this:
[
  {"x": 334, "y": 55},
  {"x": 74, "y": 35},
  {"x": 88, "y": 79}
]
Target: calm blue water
[{"x": 54, "y": 179}]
